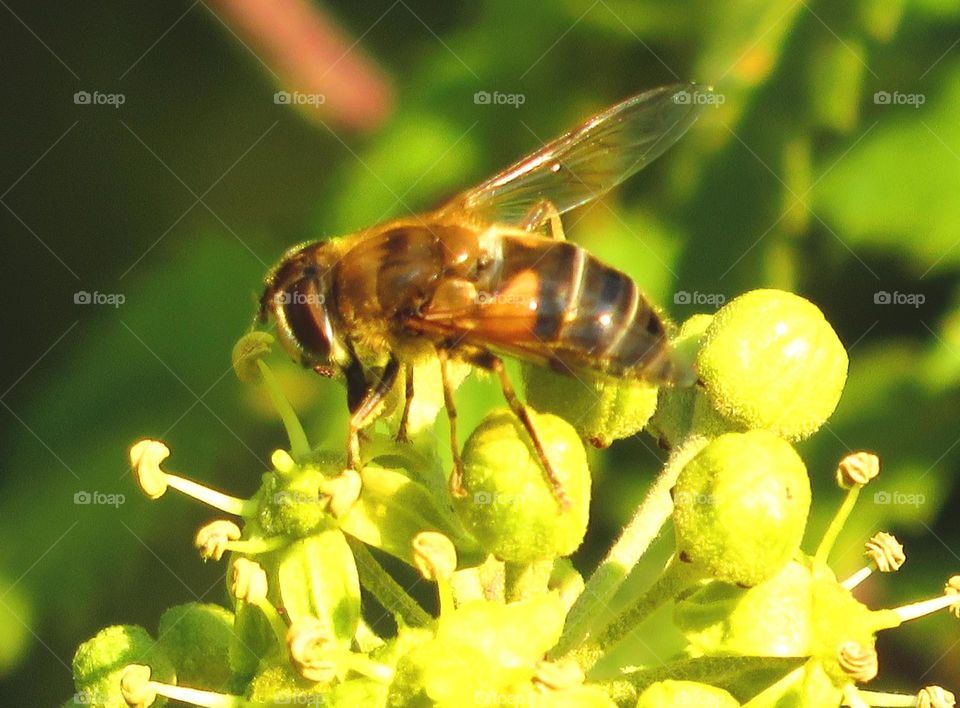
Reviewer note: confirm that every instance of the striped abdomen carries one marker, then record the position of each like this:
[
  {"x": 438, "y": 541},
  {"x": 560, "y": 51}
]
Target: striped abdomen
[{"x": 584, "y": 314}]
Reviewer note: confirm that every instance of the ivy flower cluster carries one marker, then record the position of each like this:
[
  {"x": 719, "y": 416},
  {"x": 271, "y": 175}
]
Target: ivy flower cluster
[{"x": 764, "y": 622}]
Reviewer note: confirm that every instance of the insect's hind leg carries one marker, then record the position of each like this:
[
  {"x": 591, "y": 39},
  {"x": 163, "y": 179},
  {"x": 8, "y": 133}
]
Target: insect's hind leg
[
  {"x": 495, "y": 364},
  {"x": 456, "y": 479},
  {"x": 407, "y": 402},
  {"x": 363, "y": 405},
  {"x": 544, "y": 212}
]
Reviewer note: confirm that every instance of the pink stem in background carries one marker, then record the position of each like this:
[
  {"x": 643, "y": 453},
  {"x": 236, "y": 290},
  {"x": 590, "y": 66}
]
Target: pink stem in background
[{"x": 311, "y": 55}]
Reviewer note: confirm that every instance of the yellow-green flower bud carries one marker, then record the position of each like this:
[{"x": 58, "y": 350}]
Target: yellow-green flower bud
[
  {"x": 197, "y": 637},
  {"x": 774, "y": 618},
  {"x": 100, "y": 662},
  {"x": 510, "y": 506},
  {"x": 770, "y": 360},
  {"x": 684, "y": 410},
  {"x": 685, "y": 693},
  {"x": 601, "y": 410},
  {"x": 740, "y": 507},
  {"x": 480, "y": 651}
]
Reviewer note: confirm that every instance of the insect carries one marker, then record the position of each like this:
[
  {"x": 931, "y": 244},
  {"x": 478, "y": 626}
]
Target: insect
[{"x": 487, "y": 274}]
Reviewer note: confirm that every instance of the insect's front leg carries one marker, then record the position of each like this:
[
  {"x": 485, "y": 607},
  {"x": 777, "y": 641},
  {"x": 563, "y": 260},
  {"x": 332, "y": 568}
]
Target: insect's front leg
[
  {"x": 363, "y": 400},
  {"x": 544, "y": 212}
]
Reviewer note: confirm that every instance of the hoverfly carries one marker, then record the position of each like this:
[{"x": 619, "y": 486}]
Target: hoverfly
[{"x": 487, "y": 274}]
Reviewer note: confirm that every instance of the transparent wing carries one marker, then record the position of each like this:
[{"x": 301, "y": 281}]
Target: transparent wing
[{"x": 590, "y": 160}]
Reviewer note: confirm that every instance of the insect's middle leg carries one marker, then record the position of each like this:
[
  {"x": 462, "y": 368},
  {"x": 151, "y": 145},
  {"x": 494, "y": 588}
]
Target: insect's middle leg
[
  {"x": 544, "y": 212},
  {"x": 407, "y": 402},
  {"x": 456, "y": 479},
  {"x": 495, "y": 364},
  {"x": 363, "y": 406}
]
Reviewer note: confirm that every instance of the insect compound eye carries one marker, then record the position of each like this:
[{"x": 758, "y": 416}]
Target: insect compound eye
[{"x": 303, "y": 322}]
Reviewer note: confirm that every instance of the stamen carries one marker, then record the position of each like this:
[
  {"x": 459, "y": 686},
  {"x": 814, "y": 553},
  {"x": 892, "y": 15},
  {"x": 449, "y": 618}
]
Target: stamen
[
  {"x": 950, "y": 599},
  {"x": 291, "y": 423},
  {"x": 853, "y": 472},
  {"x": 139, "y": 691},
  {"x": 343, "y": 490},
  {"x": 312, "y": 649},
  {"x": 886, "y": 555},
  {"x": 218, "y": 537},
  {"x": 858, "y": 662},
  {"x": 146, "y": 456},
  {"x": 857, "y": 469},
  {"x": 435, "y": 556},
  {"x": 853, "y": 698},
  {"x": 935, "y": 697},
  {"x": 248, "y": 584},
  {"x": 212, "y": 539}
]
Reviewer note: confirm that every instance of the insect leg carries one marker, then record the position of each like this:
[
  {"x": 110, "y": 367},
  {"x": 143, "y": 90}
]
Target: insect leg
[
  {"x": 456, "y": 479},
  {"x": 362, "y": 412},
  {"x": 495, "y": 364},
  {"x": 407, "y": 402},
  {"x": 544, "y": 212}
]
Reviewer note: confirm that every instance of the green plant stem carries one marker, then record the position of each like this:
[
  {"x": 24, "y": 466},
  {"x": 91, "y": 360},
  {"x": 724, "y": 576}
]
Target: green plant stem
[
  {"x": 384, "y": 588},
  {"x": 299, "y": 447},
  {"x": 833, "y": 530},
  {"x": 771, "y": 694},
  {"x": 675, "y": 577},
  {"x": 726, "y": 672},
  {"x": 524, "y": 580},
  {"x": 626, "y": 552}
]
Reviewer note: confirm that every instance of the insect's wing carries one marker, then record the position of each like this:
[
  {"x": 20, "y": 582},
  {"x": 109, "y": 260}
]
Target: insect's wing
[{"x": 590, "y": 160}]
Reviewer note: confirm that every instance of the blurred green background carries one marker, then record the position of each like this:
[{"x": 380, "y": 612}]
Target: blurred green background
[{"x": 804, "y": 178}]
